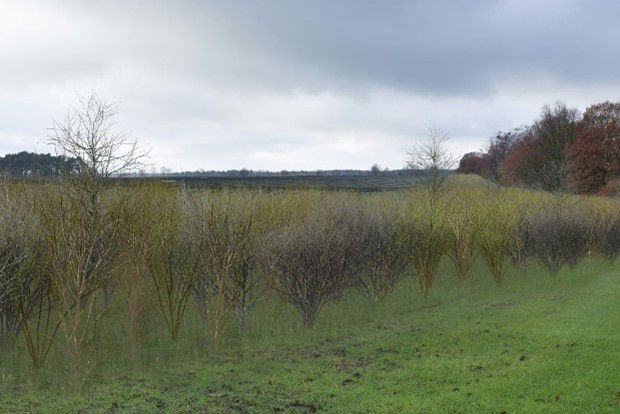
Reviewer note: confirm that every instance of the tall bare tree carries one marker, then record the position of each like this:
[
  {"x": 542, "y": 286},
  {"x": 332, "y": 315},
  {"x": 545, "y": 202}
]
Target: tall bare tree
[
  {"x": 81, "y": 233},
  {"x": 88, "y": 133},
  {"x": 432, "y": 159},
  {"x": 427, "y": 233}
]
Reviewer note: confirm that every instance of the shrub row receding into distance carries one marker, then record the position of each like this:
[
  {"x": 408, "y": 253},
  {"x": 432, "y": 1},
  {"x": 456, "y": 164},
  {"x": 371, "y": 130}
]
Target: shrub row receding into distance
[{"x": 158, "y": 246}]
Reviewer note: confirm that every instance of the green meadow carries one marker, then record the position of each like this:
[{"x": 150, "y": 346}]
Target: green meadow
[{"x": 537, "y": 344}]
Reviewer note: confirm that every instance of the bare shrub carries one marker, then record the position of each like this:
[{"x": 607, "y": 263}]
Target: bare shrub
[
  {"x": 427, "y": 242},
  {"x": 609, "y": 238},
  {"x": 461, "y": 224},
  {"x": 521, "y": 248},
  {"x": 173, "y": 264},
  {"x": 25, "y": 284},
  {"x": 138, "y": 213},
  {"x": 19, "y": 251},
  {"x": 383, "y": 258},
  {"x": 223, "y": 229},
  {"x": 81, "y": 262},
  {"x": 461, "y": 252},
  {"x": 495, "y": 238},
  {"x": 558, "y": 238},
  {"x": 427, "y": 236},
  {"x": 314, "y": 260},
  {"x": 13, "y": 255}
]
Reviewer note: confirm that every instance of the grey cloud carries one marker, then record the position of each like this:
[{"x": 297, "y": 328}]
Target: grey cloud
[
  {"x": 431, "y": 47},
  {"x": 302, "y": 84},
  {"x": 428, "y": 47}
]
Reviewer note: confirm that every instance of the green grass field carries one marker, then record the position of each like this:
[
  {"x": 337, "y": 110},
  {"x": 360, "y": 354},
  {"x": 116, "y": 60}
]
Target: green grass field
[{"x": 537, "y": 344}]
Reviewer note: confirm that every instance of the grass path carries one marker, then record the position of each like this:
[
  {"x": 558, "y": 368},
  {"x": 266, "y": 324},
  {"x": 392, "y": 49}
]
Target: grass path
[{"x": 553, "y": 349}]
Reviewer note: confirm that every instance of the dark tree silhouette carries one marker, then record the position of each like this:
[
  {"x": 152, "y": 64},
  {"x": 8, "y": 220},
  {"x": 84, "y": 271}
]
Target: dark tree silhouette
[
  {"x": 28, "y": 164},
  {"x": 472, "y": 163}
]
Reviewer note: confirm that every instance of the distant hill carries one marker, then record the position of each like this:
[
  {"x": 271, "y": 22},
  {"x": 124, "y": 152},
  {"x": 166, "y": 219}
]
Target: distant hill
[
  {"x": 357, "y": 180},
  {"x": 29, "y": 164},
  {"x": 350, "y": 182},
  {"x": 244, "y": 173}
]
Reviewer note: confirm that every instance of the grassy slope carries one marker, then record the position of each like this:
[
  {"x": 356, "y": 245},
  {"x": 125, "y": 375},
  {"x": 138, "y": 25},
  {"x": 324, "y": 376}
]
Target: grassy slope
[{"x": 537, "y": 345}]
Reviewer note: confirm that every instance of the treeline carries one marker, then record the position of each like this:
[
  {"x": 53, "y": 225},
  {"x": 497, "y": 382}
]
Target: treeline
[
  {"x": 29, "y": 164},
  {"x": 561, "y": 150}
]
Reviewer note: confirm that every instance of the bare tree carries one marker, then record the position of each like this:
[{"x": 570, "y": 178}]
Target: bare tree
[
  {"x": 88, "y": 134},
  {"x": 557, "y": 127},
  {"x": 81, "y": 231},
  {"x": 427, "y": 233},
  {"x": 432, "y": 159}
]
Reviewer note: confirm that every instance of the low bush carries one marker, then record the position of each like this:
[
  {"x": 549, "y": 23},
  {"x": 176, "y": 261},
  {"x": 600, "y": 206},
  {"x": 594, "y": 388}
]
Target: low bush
[
  {"x": 557, "y": 238},
  {"x": 173, "y": 264},
  {"x": 521, "y": 248},
  {"x": 609, "y": 236},
  {"x": 315, "y": 260},
  {"x": 462, "y": 223},
  {"x": 427, "y": 241},
  {"x": 495, "y": 237},
  {"x": 383, "y": 261},
  {"x": 222, "y": 228},
  {"x": 19, "y": 249}
]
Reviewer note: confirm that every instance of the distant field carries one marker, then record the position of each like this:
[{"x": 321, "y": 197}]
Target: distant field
[{"x": 360, "y": 183}]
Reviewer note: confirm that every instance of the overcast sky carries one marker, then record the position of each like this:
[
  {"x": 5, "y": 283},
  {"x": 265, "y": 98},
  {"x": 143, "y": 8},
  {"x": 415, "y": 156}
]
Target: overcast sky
[{"x": 301, "y": 84}]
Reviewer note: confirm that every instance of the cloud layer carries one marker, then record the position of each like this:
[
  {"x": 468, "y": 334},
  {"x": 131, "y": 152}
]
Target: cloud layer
[{"x": 301, "y": 85}]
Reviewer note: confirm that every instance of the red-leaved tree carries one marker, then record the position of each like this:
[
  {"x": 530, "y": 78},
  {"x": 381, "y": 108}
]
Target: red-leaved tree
[
  {"x": 520, "y": 164},
  {"x": 472, "y": 163},
  {"x": 593, "y": 160}
]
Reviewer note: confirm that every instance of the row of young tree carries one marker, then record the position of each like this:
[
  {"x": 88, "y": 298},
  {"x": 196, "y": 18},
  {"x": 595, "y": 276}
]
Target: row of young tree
[
  {"x": 561, "y": 150},
  {"x": 62, "y": 267},
  {"x": 73, "y": 249}
]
